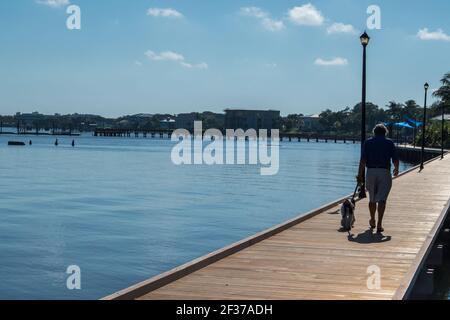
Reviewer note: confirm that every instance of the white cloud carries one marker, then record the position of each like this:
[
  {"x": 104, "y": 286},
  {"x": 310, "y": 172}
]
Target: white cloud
[
  {"x": 164, "y": 56},
  {"x": 271, "y": 65},
  {"x": 254, "y": 12},
  {"x": 266, "y": 21},
  {"x": 341, "y": 28},
  {"x": 331, "y": 62},
  {"x": 138, "y": 63},
  {"x": 174, "y": 57},
  {"x": 202, "y": 65},
  {"x": 165, "y": 13},
  {"x": 438, "y": 35},
  {"x": 272, "y": 25},
  {"x": 54, "y": 3},
  {"x": 306, "y": 15}
]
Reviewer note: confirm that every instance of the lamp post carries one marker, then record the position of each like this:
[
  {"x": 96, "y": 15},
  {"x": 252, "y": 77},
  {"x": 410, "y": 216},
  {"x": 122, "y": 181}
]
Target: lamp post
[
  {"x": 424, "y": 126},
  {"x": 415, "y": 129},
  {"x": 364, "y": 42},
  {"x": 442, "y": 130}
]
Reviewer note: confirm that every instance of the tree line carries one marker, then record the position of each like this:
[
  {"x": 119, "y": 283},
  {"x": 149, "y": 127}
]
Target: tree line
[{"x": 347, "y": 121}]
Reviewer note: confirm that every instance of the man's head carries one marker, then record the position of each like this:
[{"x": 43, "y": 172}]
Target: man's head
[{"x": 380, "y": 130}]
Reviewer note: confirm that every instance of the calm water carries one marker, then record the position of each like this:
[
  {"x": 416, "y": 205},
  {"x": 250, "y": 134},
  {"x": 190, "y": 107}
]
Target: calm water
[{"x": 120, "y": 210}]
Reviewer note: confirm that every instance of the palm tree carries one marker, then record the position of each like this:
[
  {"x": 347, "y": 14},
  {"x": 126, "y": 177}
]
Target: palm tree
[
  {"x": 412, "y": 109},
  {"x": 395, "y": 111},
  {"x": 443, "y": 93}
]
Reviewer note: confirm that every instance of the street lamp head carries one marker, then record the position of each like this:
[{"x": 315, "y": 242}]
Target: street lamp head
[
  {"x": 364, "y": 39},
  {"x": 426, "y": 86}
]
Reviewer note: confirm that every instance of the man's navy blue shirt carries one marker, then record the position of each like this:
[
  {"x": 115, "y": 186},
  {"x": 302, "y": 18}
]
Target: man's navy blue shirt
[{"x": 378, "y": 152}]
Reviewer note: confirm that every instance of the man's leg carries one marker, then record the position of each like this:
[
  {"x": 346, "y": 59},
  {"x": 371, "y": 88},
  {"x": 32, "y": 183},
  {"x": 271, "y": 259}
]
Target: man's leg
[
  {"x": 385, "y": 188},
  {"x": 371, "y": 187},
  {"x": 381, "y": 209},
  {"x": 373, "y": 210}
]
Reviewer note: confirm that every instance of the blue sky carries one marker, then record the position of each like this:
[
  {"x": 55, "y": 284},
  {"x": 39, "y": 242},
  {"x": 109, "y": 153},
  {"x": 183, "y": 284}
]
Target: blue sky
[{"x": 172, "y": 56}]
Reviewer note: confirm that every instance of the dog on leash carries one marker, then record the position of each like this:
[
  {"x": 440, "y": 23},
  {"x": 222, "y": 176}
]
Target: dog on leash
[{"x": 348, "y": 214}]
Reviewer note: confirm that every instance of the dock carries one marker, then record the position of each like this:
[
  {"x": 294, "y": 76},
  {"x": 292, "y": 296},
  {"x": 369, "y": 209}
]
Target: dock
[
  {"x": 309, "y": 258},
  {"x": 283, "y": 136},
  {"x": 167, "y": 133}
]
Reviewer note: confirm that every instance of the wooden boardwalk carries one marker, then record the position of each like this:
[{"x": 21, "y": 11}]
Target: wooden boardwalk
[{"x": 307, "y": 258}]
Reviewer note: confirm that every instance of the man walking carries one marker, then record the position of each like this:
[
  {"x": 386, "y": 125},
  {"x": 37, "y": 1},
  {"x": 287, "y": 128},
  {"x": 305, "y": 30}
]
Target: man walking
[{"x": 378, "y": 152}]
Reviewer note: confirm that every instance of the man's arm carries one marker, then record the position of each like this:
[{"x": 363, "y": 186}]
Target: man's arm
[
  {"x": 396, "y": 167},
  {"x": 362, "y": 170},
  {"x": 362, "y": 165},
  {"x": 395, "y": 160}
]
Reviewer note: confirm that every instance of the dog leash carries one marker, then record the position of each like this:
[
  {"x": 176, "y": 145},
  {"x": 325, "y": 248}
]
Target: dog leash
[{"x": 354, "y": 193}]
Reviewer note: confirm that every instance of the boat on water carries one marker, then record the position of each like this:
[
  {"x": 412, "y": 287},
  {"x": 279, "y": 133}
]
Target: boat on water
[{"x": 16, "y": 143}]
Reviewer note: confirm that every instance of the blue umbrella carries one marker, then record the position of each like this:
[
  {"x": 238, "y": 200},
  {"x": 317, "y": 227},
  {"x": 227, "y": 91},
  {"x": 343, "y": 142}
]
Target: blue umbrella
[
  {"x": 414, "y": 123},
  {"x": 403, "y": 125}
]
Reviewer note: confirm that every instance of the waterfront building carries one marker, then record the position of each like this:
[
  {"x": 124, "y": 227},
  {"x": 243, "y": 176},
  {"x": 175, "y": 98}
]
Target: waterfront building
[
  {"x": 167, "y": 124},
  {"x": 29, "y": 119},
  {"x": 310, "y": 123}
]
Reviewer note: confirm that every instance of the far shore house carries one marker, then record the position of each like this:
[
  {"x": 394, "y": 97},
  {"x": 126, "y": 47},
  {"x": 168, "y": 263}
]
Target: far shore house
[
  {"x": 167, "y": 124},
  {"x": 252, "y": 119},
  {"x": 29, "y": 119},
  {"x": 310, "y": 123}
]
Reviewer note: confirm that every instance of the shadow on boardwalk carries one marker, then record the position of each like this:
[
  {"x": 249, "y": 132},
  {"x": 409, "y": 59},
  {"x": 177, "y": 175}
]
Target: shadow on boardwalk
[{"x": 368, "y": 237}]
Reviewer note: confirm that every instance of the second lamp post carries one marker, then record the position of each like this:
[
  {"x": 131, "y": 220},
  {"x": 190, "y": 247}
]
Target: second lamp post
[
  {"x": 424, "y": 127},
  {"x": 443, "y": 130}
]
